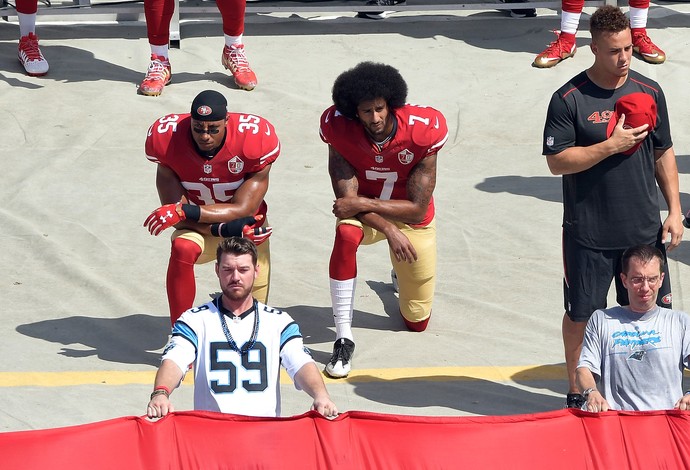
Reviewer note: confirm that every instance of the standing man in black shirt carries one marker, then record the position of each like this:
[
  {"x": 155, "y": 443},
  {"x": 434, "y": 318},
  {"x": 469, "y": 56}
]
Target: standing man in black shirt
[{"x": 607, "y": 132}]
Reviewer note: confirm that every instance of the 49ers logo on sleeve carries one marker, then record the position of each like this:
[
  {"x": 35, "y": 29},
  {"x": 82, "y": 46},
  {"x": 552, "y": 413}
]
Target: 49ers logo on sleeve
[
  {"x": 204, "y": 110},
  {"x": 235, "y": 165},
  {"x": 405, "y": 157}
]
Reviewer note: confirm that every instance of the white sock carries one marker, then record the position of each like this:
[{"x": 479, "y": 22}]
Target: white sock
[
  {"x": 342, "y": 301},
  {"x": 570, "y": 22},
  {"x": 161, "y": 51},
  {"x": 27, "y": 23},
  {"x": 233, "y": 40},
  {"x": 638, "y": 17}
]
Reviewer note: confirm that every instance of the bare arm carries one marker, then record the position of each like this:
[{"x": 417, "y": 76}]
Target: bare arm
[
  {"x": 577, "y": 159},
  {"x": 169, "y": 375},
  {"x": 345, "y": 187},
  {"x": 595, "y": 400},
  {"x": 420, "y": 187},
  {"x": 309, "y": 379},
  {"x": 343, "y": 178},
  {"x": 244, "y": 203},
  {"x": 170, "y": 189},
  {"x": 666, "y": 172}
]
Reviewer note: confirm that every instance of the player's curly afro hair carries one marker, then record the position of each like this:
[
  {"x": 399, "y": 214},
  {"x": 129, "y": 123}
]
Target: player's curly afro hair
[{"x": 368, "y": 81}]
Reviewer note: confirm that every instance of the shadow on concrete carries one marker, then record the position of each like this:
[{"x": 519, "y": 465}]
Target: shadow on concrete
[
  {"x": 465, "y": 394},
  {"x": 125, "y": 340}
]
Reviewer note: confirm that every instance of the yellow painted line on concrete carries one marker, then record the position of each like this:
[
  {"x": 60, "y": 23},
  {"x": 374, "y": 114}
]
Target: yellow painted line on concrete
[{"x": 433, "y": 374}]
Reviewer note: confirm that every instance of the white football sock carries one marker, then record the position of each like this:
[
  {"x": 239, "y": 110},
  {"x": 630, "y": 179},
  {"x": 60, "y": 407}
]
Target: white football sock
[
  {"x": 570, "y": 22},
  {"x": 638, "y": 17},
  {"x": 161, "y": 51},
  {"x": 233, "y": 40},
  {"x": 342, "y": 301},
  {"x": 27, "y": 23}
]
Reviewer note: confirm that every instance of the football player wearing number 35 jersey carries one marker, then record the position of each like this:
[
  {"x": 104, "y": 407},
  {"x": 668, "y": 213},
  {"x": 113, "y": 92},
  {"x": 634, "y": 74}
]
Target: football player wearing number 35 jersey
[
  {"x": 382, "y": 163},
  {"x": 212, "y": 177}
]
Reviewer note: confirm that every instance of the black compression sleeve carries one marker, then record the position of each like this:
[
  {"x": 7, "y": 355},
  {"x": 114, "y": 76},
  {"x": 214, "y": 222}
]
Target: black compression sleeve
[
  {"x": 232, "y": 228},
  {"x": 191, "y": 212}
]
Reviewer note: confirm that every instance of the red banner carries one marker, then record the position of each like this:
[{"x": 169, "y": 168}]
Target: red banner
[{"x": 564, "y": 439}]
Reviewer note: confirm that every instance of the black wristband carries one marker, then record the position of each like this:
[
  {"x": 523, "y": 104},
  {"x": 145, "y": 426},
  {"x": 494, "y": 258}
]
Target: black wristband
[
  {"x": 191, "y": 212},
  {"x": 232, "y": 228}
]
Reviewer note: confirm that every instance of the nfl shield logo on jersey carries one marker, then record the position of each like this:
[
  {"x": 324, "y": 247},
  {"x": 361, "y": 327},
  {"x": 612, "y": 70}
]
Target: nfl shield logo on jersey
[
  {"x": 208, "y": 168},
  {"x": 405, "y": 157},
  {"x": 235, "y": 165},
  {"x": 378, "y": 158}
]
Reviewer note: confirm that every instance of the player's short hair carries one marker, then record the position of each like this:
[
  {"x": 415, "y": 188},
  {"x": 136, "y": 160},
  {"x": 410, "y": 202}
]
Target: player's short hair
[
  {"x": 608, "y": 19},
  {"x": 368, "y": 81},
  {"x": 644, "y": 253},
  {"x": 237, "y": 246}
]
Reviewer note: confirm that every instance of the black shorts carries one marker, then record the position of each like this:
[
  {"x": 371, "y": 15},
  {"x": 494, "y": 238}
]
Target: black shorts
[{"x": 587, "y": 279}]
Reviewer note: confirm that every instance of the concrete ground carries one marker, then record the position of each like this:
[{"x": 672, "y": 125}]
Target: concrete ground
[{"x": 82, "y": 286}]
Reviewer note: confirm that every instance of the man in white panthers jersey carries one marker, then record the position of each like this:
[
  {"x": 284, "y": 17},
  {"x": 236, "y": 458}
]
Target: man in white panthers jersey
[{"x": 237, "y": 345}]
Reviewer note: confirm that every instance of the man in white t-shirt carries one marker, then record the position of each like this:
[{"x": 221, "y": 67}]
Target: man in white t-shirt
[
  {"x": 237, "y": 346},
  {"x": 636, "y": 353}
]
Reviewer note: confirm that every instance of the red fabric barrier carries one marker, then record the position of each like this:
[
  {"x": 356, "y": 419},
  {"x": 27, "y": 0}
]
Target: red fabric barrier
[{"x": 564, "y": 439}]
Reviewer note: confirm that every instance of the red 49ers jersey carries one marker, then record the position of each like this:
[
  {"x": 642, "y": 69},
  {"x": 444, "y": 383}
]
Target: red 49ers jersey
[
  {"x": 250, "y": 145},
  {"x": 384, "y": 173}
]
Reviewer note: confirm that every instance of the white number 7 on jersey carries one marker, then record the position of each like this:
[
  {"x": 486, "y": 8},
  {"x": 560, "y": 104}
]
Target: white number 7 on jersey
[{"x": 389, "y": 178}]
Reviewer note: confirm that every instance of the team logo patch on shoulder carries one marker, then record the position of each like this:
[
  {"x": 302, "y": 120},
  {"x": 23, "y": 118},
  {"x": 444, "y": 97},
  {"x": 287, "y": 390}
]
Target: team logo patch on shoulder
[
  {"x": 204, "y": 110},
  {"x": 235, "y": 165},
  {"x": 405, "y": 157},
  {"x": 666, "y": 300}
]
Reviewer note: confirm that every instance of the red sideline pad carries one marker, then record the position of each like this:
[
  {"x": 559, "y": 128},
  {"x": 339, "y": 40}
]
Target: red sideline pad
[{"x": 561, "y": 439}]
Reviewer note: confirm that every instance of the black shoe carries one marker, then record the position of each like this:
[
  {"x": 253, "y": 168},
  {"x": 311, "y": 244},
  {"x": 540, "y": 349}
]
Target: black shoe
[
  {"x": 575, "y": 400},
  {"x": 523, "y": 12},
  {"x": 340, "y": 364},
  {"x": 379, "y": 15}
]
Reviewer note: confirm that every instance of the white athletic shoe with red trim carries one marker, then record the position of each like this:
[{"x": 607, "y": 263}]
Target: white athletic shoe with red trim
[{"x": 30, "y": 56}]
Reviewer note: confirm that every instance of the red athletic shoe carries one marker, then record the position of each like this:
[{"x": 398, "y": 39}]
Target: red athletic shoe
[
  {"x": 644, "y": 46},
  {"x": 30, "y": 56},
  {"x": 562, "y": 48},
  {"x": 157, "y": 76},
  {"x": 234, "y": 60}
]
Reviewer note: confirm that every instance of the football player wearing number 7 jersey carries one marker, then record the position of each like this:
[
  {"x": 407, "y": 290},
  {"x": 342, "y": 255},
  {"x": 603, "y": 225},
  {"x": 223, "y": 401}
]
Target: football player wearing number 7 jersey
[
  {"x": 212, "y": 177},
  {"x": 382, "y": 163}
]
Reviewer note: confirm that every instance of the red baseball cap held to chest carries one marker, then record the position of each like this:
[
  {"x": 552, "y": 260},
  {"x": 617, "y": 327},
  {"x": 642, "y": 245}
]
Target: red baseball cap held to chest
[{"x": 639, "y": 109}]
